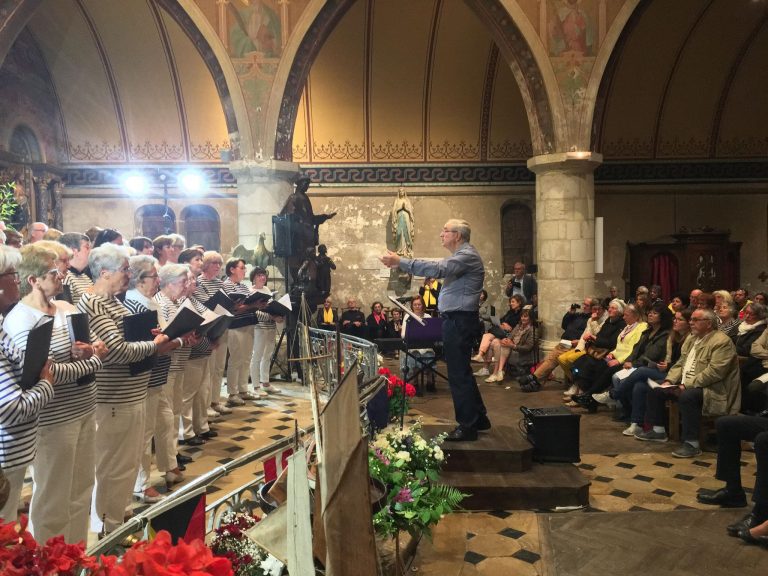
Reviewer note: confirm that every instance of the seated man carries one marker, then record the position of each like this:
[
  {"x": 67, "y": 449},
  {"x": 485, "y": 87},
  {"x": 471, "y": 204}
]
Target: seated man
[
  {"x": 705, "y": 380},
  {"x": 573, "y": 324},
  {"x": 353, "y": 320},
  {"x": 731, "y": 431}
]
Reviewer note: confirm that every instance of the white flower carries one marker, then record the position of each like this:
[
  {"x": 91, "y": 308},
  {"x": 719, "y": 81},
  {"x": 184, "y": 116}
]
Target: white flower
[
  {"x": 438, "y": 453},
  {"x": 420, "y": 443},
  {"x": 403, "y": 455}
]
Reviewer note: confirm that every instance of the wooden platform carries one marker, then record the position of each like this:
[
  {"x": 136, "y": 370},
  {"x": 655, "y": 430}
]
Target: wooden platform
[{"x": 498, "y": 472}]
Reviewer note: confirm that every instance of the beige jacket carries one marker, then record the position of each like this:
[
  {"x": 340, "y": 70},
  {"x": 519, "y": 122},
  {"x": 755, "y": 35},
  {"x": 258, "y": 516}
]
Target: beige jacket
[{"x": 716, "y": 371}]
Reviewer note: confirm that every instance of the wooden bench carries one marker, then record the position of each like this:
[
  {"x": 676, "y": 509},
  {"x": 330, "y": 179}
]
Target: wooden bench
[{"x": 673, "y": 419}]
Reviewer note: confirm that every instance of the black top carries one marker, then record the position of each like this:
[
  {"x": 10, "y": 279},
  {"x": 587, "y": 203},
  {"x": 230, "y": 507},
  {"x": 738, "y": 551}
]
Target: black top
[{"x": 609, "y": 333}]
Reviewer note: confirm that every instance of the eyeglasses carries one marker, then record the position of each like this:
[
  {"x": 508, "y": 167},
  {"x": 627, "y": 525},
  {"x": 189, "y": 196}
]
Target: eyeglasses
[
  {"x": 678, "y": 319},
  {"x": 53, "y": 272},
  {"x": 11, "y": 273},
  {"x": 699, "y": 320},
  {"x": 149, "y": 276}
]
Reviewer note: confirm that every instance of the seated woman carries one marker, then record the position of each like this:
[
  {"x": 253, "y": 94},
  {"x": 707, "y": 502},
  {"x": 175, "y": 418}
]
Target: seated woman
[
  {"x": 515, "y": 348},
  {"x": 595, "y": 375},
  {"x": 327, "y": 317},
  {"x": 728, "y": 323},
  {"x": 596, "y": 346},
  {"x": 679, "y": 302},
  {"x": 750, "y": 328},
  {"x": 647, "y": 353},
  {"x": 409, "y": 361},
  {"x": 395, "y": 324},
  {"x": 377, "y": 322},
  {"x": 633, "y": 390},
  {"x": 505, "y": 327},
  {"x": 598, "y": 316},
  {"x": 754, "y": 377}
]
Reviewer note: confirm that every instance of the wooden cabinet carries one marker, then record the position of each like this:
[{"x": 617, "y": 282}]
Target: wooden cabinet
[{"x": 707, "y": 260}]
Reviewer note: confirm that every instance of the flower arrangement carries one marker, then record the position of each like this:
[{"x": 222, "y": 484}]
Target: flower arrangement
[
  {"x": 398, "y": 393},
  {"x": 231, "y": 542},
  {"x": 409, "y": 466},
  {"x": 21, "y": 555}
]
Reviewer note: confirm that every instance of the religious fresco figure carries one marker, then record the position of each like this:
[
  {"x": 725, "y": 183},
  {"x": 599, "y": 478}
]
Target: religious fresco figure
[
  {"x": 571, "y": 29},
  {"x": 402, "y": 224},
  {"x": 256, "y": 28}
]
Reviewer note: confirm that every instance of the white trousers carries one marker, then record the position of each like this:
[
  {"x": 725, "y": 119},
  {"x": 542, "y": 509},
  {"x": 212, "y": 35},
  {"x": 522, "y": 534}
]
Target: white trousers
[
  {"x": 263, "y": 347},
  {"x": 119, "y": 445},
  {"x": 240, "y": 350},
  {"x": 63, "y": 480},
  {"x": 194, "y": 406},
  {"x": 174, "y": 389},
  {"x": 216, "y": 364},
  {"x": 159, "y": 424},
  {"x": 15, "y": 477}
]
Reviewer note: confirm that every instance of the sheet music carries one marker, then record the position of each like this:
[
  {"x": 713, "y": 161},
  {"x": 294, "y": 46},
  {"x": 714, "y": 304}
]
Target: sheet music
[{"x": 408, "y": 311}]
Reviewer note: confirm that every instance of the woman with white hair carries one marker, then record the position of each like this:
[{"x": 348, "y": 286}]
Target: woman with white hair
[
  {"x": 19, "y": 409},
  {"x": 121, "y": 396},
  {"x": 142, "y": 287},
  {"x": 63, "y": 467}
]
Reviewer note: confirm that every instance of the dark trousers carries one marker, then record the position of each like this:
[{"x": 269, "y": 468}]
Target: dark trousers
[
  {"x": 690, "y": 402},
  {"x": 458, "y": 334},
  {"x": 731, "y": 430}
]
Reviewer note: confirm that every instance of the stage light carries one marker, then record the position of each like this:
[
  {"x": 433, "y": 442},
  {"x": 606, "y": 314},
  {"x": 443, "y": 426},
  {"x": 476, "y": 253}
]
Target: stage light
[
  {"x": 135, "y": 183},
  {"x": 191, "y": 181}
]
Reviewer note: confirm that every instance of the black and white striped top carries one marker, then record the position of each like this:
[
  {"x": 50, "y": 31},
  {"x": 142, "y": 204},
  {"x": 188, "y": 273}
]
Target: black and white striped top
[
  {"x": 265, "y": 321},
  {"x": 72, "y": 400},
  {"x": 114, "y": 382},
  {"x": 244, "y": 318},
  {"x": 166, "y": 309},
  {"x": 207, "y": 288},
  {"x": 138, "y": 303},
  {"x": 19, "y": 409},
  {"x": 202, "y": 348},
  {"x": 79, "y": 283}
]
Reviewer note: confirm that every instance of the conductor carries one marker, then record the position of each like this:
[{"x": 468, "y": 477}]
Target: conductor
[{"x": 463, "y": 275}]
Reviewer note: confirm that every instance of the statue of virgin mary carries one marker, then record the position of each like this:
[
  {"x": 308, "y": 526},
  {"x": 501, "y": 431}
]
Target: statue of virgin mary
[{"x": 402, "y": 224}]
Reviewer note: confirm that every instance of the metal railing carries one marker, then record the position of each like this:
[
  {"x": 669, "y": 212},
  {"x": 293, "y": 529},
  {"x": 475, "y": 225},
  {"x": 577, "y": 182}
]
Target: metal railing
[{"x": 323, "y": 347}]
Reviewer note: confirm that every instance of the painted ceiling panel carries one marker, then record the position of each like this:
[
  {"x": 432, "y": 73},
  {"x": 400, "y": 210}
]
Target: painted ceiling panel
[
  {"x": 509, "y": 133},
  {"x": 336, "y": 92},
  {"x": 399, "y": 51},
  {"x": 744, "y": 121},
  {"x": 695, "y": 89},
  {"x": 457, "y": 82},
  {"x": 637, "y": 86},
  {"x": 206, "y": 125},
  {"x": 130, "y": 34},
  {"x": 90, "y": 119}
]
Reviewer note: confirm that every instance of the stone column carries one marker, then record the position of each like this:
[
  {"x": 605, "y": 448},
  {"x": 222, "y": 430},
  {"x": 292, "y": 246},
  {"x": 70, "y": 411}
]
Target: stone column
[
  {"x": 565, "y": 234},
  {"x": 262, "y": 189}
]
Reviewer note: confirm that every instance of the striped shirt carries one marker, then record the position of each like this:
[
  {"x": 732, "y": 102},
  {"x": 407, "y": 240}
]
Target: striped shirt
[
  {"x": 137, "y": 303},
  {"x": 202, "y": 348},
  {"x": 79, "y": 283},
  {"x": 264, "y": 321},
  {"x": 19, "y": 409},
  {"x": 207, "y": 288},
  {"x": 167, "y": 308},
  {"x": 243, "y": 318},
  {"x": 72, "y": 400},
  {"x": 114, "y": 383}
]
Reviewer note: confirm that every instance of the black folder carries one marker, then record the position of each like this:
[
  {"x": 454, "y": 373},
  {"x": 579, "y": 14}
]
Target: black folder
[
  {"x": 261, "y": 295},
  {"x": 80, "y": 331},
  {"x": 138, "y": 328},
  {"x": 277, "y": 309},
  {"x": 185, "y": 321},
  {"x": 220, "y": 298},
  {"x": 214, "y": 330},
  {"x": 37, "y": 352}
]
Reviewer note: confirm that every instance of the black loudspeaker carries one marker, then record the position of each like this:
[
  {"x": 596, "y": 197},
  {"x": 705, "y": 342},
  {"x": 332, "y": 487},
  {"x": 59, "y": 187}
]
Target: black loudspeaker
[
  {"x": 553, "y": 432},
  {"x": 282, "y": 236}
]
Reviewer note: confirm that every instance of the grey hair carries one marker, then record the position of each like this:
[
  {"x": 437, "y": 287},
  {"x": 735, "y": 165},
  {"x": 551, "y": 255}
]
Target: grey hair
[
  {"x": 759, "y": 310},
  {"x": 724, "y": 294},
  {"x": 619, "y": 303},
  {"x": 709, "y": 315},
  {"x": 732, "y": 310},
  {"x": 632, "y": 308},
  {"x": 460, "y": 226},
  {"x": 172, "y": 272},
  {"x": 140, "y": 265},
  {"x": 595, "y": 302},
  {"x": 10, "y": 257},
  {"x": 108, "y": 256}
]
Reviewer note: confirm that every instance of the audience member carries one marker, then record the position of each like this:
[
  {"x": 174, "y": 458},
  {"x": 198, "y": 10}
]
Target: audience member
[
  {"x": 515, "y": 348},
  {"x": 521, "y": 283},
  {"x": 750, "y": 328},
  {"x": 377, "y": 322},
  {"x": 36, "y": 231},
  {"x": 597, "y": 318},
  {"x": 741, "y": 299},
  {"x": 327, "y": 316},
  {"x": 503, "y": 330},
  {"x": 412, "y": 360},
  {"x": 353, "y": 320},
  {"x": 430, "y": 293},
  {"x": 728, "y": 324}
]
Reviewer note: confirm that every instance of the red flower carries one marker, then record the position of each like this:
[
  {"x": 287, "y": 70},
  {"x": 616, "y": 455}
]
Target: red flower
[
  {"x": 385, "y": 371},
  {"x": 410, "y": 391},
  {"x": 390, "y": 391}
]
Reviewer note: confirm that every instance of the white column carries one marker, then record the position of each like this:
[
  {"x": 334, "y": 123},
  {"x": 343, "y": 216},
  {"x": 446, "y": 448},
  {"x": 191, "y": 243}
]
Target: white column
[
  {"x": 262, "y": 189},
  {"x": 565, "y": 234}
]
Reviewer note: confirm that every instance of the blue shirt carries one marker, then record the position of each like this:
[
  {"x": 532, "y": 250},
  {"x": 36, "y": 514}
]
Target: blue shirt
[{"x": 463, "y": 274}]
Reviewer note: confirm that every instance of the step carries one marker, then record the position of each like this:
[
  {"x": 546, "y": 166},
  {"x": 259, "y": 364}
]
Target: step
[
  {"x": 501, "y": 449},
  {"x": 544, "y": 486}
]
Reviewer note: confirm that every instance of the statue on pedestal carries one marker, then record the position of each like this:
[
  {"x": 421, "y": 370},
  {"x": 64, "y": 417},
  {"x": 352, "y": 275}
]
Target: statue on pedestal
[
  {"x": 324, "y": 267},
  {"x": 402, "y": 224}
]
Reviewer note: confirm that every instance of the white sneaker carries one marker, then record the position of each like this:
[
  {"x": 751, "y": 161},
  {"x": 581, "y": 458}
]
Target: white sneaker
[
  {"x": 220, "y": 408},
  {"x": 260, "y": 393},
  {"x": 269, "y": 389},
  {"x": 497, "y": 377},
  {"x": 602, "y": 397},
  {"x": 211, "y": 413},
  {"x": 479, "y": 358},
  {"x": 483, "y": 372},
  {"x": 571, "y": 391},
  {"x": 235, "y": 400},
  {"x": 633, "y": 428}
]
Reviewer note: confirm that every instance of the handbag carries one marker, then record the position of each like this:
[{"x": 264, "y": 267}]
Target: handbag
[
  {"x": 498, "y": 331},
  {"x": 597, "y": 353}
]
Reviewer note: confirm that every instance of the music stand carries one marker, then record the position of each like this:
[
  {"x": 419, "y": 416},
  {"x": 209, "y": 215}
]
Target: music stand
[{"x": 423, "y": 336}]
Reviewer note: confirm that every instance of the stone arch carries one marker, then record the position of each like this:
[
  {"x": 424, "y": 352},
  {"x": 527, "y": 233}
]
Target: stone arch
[
  {"x": 25, "y": 144},
  {"x": 509, "y": 27},
  {"x": 152, "y": 220},
  {"x": 201, "y": 224}
]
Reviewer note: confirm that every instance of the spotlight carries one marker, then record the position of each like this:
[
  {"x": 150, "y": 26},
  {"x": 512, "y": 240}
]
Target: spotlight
[
  {"x": 191, "y": 181},
  {"x": 135, "y": 183}
]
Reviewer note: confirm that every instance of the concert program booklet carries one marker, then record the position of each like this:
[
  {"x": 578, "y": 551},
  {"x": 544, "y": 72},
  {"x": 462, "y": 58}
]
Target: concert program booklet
[
  {"x": 185, "y": 320},
  {"x": 138, "y": 328},
  {"x": 36, "y": 354},
  {"x": 407, "y": 311}
]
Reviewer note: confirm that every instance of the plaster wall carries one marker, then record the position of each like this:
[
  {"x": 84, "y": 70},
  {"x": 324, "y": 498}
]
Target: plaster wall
[
  {"x": 361, "y": 232},
  {"x": 654, "y": 215}
]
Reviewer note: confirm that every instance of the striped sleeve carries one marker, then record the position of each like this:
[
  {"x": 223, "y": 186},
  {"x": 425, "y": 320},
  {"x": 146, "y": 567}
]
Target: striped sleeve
[
  {"x": 18, "y": 406},
  {"x": 78, "y": 284}
]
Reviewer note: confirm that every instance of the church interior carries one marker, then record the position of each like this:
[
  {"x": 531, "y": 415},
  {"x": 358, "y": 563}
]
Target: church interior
[{"x": 588, "y": 139}]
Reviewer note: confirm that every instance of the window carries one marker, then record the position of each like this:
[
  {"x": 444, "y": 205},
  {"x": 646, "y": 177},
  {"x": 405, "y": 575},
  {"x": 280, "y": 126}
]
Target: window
[
  {"x": 152, "y": 221},
  {"x": 516, "y": 235},
  {"x": 201, "y": 225},
  {"x": 24, "y": 144}
]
